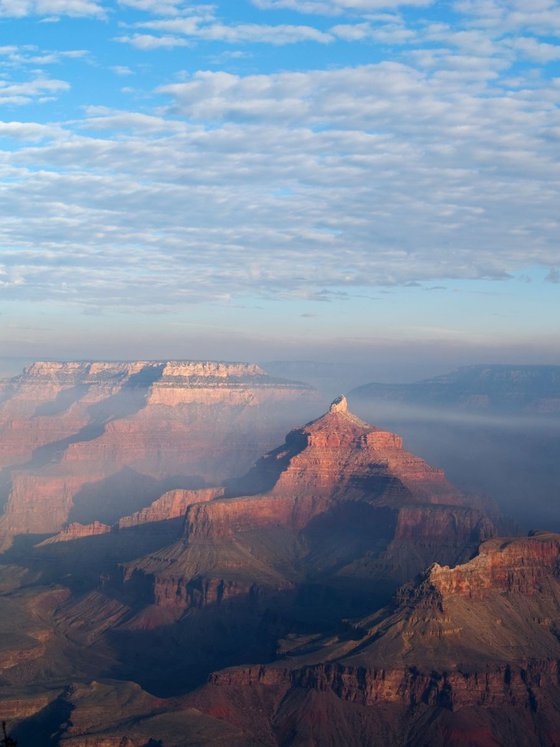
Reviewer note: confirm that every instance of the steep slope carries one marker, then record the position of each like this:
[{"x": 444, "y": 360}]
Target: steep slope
[
  {"x": 470, "y": 656},
  {"x": 264, "y": 569},
  {"x": 86, "y": 442},
  {"x": 343, "y": 506},
  {"x": 503, "y": 418}
]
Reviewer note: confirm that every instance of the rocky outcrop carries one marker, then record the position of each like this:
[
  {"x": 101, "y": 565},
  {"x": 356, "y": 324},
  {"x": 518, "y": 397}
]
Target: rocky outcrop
[
  {"x": 479, "y": 639},
  {"x": 517, "y": 566},
  {"x": 343, "y": 499},
  {"x": 171, "y": 505},
  {"x": 67, "y": 427},
  {"x": 77, "y": 531}
]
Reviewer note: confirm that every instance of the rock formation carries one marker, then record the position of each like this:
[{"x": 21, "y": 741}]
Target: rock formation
[
  {"x": 469, "y": 657},
  {"x": 341, "y": 500},
  {"x": 283, "y": 592},
  {"x": 169, "y": 507},
  {"x": 72, "y": 434}
]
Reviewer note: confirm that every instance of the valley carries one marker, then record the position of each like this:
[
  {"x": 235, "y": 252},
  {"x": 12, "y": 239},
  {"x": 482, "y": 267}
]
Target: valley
[{"x": 333, "y": 588}]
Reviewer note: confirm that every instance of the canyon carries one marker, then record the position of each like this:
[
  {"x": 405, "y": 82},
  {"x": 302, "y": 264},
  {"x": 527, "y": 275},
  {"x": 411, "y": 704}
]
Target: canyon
[
  {"x": 345, "y": 502},
  {"x": 468, "y": 655},
  {"x": 338, "y": 589},
  {"x": 81, "y": 440}
]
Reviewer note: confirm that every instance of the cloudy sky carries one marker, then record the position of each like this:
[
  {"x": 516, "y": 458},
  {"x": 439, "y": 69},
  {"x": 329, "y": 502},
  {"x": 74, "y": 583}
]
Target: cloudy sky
[{"x": 280, "y": 178}]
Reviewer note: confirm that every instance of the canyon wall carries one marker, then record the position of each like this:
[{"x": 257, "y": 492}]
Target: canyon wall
[{"x": 79, "y": 438}]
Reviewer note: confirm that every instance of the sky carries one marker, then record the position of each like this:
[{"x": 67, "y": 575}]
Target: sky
[{"x": 357, "y": 180}]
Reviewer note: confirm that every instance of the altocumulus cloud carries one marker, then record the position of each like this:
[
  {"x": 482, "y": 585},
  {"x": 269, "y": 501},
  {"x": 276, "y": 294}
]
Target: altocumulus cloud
[
  {"x": 22, "y": 8},
  {"x": 441, "y": 162},
  {"x": 337, "y": 6}
]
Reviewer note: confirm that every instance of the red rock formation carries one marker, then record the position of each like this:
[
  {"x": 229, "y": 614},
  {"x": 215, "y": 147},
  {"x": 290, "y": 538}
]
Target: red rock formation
[
  {"x": 37, "y": 504},
  {"x": 68, "y": 426},
  {"x": 327, "y": 473},
  {"x": 503, "y": 566},
  {"x": 171, "y": 505},
  {"x": 479, "y": 639},
  {"x": 77, "y": 531}
]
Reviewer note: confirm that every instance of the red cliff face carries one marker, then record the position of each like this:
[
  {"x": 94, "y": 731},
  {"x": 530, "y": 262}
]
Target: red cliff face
[
  {"x": 66, "y": 427},
  {"x": 451, "y": 648},
  {"x": 343, "y": 499},
  {"x": 77, "y": 531},
  {"x": 171, "y": 505},
  {"x": 517, "y": 566}
]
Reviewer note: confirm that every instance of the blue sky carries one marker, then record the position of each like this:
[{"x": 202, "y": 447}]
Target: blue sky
[{"x": 280, "y": 178}]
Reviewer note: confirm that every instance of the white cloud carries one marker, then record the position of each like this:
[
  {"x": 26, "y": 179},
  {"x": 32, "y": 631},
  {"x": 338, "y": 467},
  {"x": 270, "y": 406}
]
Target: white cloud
[
  {"x": 438, "y": 161},
  {"x": 148, "y": 41},
  {"x": 28, "y": 131},
  {"x": 122, "y": 70},
  {"x": 285, "y": 184},
  {"x": 161, "y": 7},
  {"x": 532, "y": 49},
  {"x": 537, "y": 16},
  {"x": 22, "y": 8},
  {"x": 31, "y": 55},
  {"x": 24, "y": 92},
  {"x": 336, "y": 7},
  {"x": 193, "y": 27}
]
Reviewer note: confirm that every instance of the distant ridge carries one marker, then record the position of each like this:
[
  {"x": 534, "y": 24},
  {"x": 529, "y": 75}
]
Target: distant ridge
[
  {"x": 146, "y": 372},
  {"x": 499, "y": 388}
]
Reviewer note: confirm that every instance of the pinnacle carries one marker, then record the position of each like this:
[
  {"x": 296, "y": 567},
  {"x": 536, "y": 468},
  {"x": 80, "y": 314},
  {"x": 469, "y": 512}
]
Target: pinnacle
[{"x": 340, "y": 404}]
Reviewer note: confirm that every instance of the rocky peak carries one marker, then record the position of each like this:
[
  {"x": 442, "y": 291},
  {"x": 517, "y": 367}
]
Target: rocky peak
[{"x": 340, "y": 404}]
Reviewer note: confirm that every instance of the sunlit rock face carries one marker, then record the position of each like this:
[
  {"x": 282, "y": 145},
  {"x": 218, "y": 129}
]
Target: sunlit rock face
[
  {"x": 273, "y": 589},
  {"x": 96, "y": 441},
  {"x": 339, "y": 501}
]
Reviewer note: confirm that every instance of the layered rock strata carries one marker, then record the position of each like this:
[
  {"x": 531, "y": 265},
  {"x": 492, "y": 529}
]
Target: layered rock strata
[
  {"x": 343, "y": 501},
  {"x": 72, "y": 433},
  {"x": 471, "y": 654}
]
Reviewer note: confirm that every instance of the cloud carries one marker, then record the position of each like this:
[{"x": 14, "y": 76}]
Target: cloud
[
  {"x": 438, "y": 160},
  {"x": 20, "y": 93},
  {"x": 161, "y": 7},
  {"x": 532, "y": 49},
  {"x": 539, "y": 16},
  {"x": 122, "y": 70},
  {"x": 23, "y": 8},
  {"x": 31, "y": 131},
  {"x": 335, "y": 7},
  {"x": 30, "y": 55},
  {"x": 201, "y": 23},
  {"x": 284, "y": 185},
  {"x": 148, "y": 41},
  {"x": 193, "y": 27}
]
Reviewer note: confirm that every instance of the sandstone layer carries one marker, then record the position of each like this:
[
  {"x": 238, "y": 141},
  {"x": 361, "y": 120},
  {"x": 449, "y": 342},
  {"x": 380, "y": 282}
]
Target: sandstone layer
[
  {"x": 471, "y": 654},
  {"x": 78, "y": 439},
  {"x": 342, "y": 501},
  {"x": 270, "y": 590}
]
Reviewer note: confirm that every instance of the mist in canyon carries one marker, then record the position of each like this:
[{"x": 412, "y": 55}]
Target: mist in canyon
[{"x": 186, "y": 545}]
